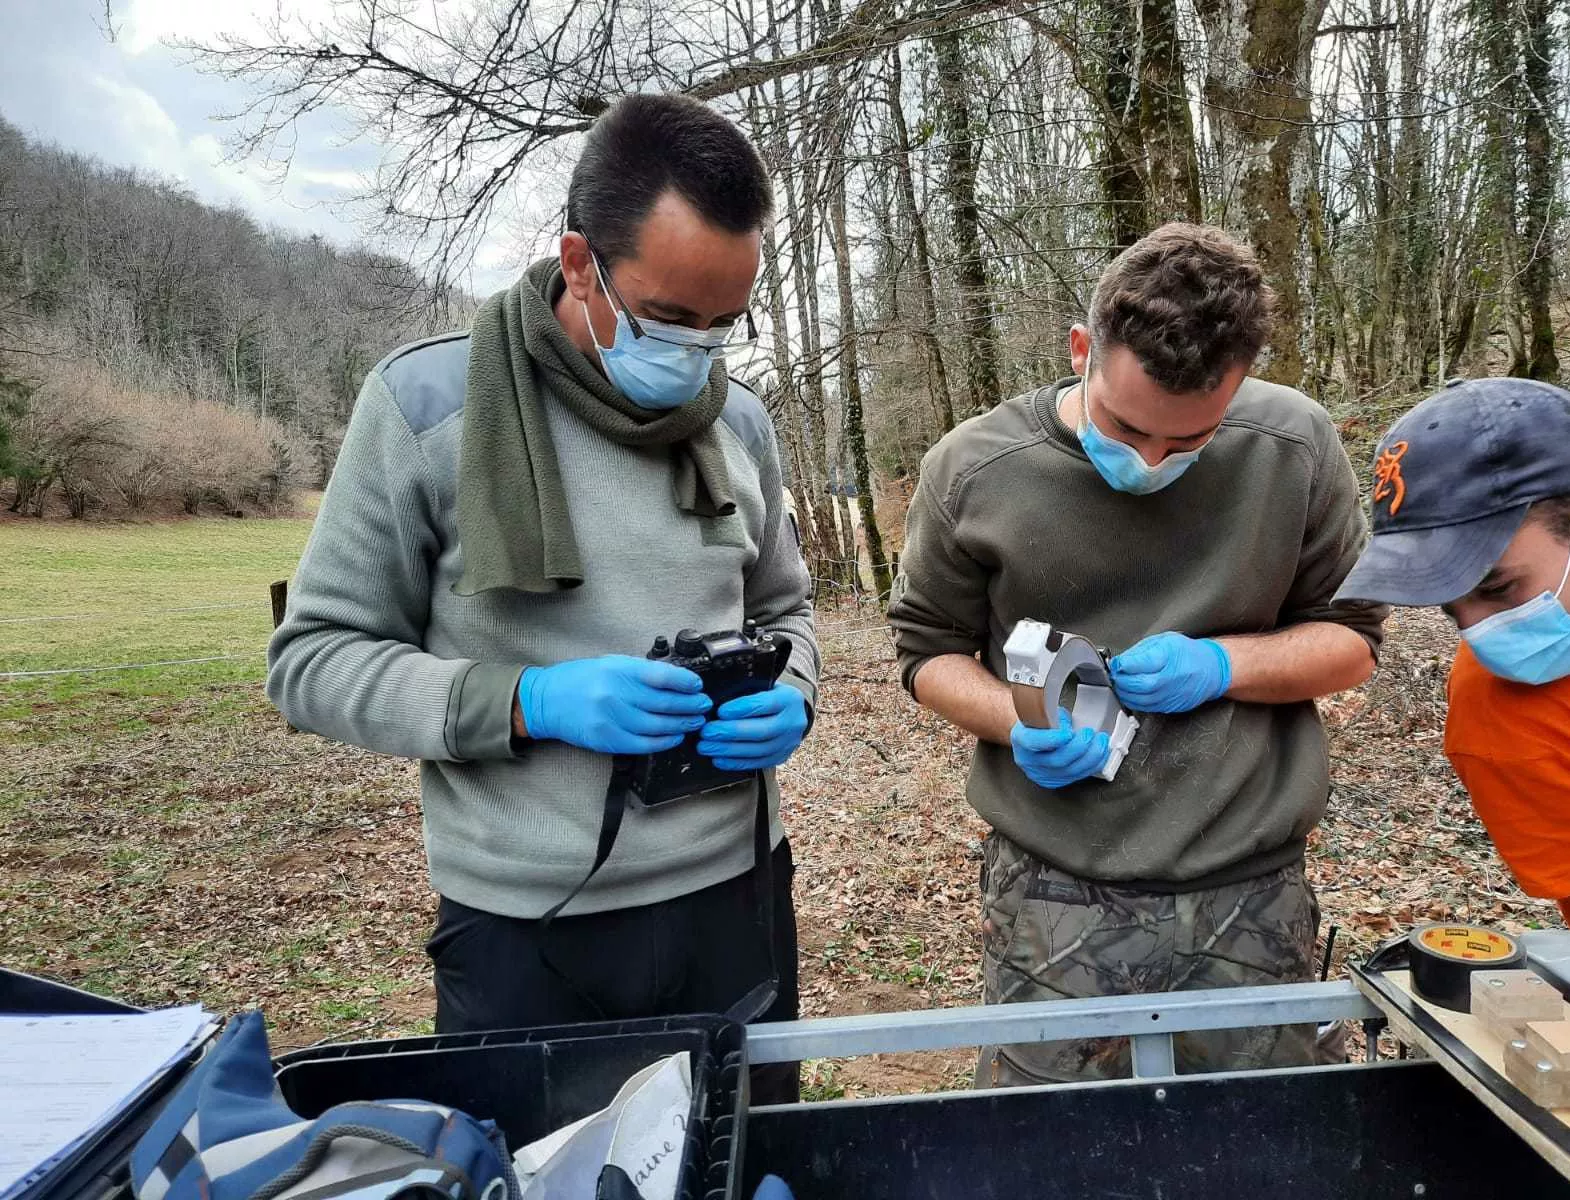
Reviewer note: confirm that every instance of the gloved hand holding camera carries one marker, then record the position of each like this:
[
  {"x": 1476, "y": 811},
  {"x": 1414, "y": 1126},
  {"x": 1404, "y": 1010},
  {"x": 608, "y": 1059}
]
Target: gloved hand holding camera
[
  {"x": 753, "y": 733},
  {"x": 614, "y": 705}
]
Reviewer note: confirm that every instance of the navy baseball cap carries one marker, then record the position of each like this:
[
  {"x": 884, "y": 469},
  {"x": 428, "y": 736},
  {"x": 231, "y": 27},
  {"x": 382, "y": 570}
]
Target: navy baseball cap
[{"x": 1453, "y": 480}]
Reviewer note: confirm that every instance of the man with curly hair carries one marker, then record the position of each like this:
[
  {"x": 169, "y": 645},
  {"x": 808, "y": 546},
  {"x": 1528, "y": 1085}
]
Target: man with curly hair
[{"x": 1196, "y": 521}]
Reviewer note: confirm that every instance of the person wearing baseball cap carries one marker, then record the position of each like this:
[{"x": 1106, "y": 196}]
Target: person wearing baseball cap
[{"x": 1471, "y": 507}]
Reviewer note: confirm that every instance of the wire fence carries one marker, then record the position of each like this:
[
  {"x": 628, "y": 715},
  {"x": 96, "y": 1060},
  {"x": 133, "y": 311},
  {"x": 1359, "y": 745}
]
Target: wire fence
[
  {"x": 829, "y": 630},
  {"x": 277, "y": 595},
  {"x": 121, "y": 615},
  {"x": 167, "y": 662},
  {"x": 847, "y": 614}
]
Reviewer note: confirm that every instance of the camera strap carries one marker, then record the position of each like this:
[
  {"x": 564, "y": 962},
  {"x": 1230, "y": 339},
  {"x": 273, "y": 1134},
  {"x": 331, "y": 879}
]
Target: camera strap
[{"x": 760, "y": 998}]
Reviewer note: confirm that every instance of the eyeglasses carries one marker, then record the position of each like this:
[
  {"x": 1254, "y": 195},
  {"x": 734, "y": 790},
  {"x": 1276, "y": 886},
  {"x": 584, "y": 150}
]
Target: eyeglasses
[{"x": 731, "y": 334}]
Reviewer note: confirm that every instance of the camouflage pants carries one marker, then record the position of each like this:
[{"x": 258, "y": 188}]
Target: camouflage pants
[{"x": 1048, "y": 935}]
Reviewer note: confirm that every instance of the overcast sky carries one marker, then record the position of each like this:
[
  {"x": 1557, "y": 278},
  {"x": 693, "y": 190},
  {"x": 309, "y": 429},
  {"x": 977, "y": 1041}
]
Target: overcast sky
[{"x": 133, "y": 102}]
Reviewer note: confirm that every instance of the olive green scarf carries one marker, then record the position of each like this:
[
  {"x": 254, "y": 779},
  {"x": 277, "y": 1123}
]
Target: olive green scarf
[{"x": 513, "y": 521}]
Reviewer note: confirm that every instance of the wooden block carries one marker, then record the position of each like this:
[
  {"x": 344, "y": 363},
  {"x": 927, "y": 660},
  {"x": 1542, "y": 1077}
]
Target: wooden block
[
  {"x": 1539, "y": 1080},
  {"x": 1505, "y": 1002},
  {"x": 1504, "y": 1029},
  {"x": 1550, "y": 1041},
  {"x": 1510, "y": 996}
]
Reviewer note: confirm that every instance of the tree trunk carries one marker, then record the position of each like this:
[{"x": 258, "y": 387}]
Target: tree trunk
[
  {"x": 926, "y": 292},
  {"x": 1542, "y": 175},
  {"x": 1421, "y": 320},
  {"x": 789, "y": 405},
  {"x": 1494, "y": 27},
  {"x": 1387, "y": 229},
  {"x": 810, "y": 395},
  {"x": 850, "y": 393},
  {"x": 1258, "y": 105},
  {"x": 850, "y": 564},
  {"x": 1166, "y": 126},
  {"x": 980, "y": 333},
  {"x": 1123, "y": 186},
  {"x": 790, "y": 412}
]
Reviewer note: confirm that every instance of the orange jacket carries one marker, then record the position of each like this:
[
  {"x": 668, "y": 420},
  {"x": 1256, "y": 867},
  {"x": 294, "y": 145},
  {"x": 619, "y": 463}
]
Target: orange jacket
[{"x": 1510, "y": 744}]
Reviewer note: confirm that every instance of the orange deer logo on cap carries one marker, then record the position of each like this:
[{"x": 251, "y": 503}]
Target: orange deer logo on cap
[{"x": 1388, "y": 484}]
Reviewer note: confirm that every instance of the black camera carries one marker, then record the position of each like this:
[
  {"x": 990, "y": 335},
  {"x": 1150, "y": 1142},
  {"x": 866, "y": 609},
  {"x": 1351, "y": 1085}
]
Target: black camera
[{"x": 731, "y": 663}]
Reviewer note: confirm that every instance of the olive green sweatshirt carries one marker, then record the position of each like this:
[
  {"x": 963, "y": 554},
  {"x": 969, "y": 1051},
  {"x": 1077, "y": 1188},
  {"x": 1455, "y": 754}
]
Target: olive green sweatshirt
[{"x": 1011, "y": 520}]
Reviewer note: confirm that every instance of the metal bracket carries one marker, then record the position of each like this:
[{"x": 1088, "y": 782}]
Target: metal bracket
[
  {"x": 1150, "y": 1018},
  {"x": 1040, "y": 662}
]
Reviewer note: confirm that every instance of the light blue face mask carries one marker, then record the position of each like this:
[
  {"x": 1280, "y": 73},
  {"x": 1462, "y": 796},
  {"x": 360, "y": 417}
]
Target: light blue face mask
[
  {"x": 1121, "y": 465},
  {"x": 1529, "y": 643},
  {"x": 663, "y": 369}
]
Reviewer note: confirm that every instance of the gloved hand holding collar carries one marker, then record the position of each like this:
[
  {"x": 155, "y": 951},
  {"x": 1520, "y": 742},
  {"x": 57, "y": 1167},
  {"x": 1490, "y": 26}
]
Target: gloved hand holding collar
[
  {"x": 1171, "y": 673},
  {"x": 1056, "y": 757}
]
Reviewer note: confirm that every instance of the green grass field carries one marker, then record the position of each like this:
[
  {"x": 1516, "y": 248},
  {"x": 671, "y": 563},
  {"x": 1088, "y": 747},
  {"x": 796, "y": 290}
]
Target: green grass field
[
  {"x": 73, "y": 594},
  {"x": 162, "y": 837}
]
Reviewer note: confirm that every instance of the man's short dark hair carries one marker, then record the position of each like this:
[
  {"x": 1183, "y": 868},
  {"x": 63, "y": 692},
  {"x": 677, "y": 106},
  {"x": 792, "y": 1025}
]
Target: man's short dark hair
[
  {"x": 1554, "y": 513},
  {"x": 1189, "y": 301},
  {"x": 645, "y": 145}
]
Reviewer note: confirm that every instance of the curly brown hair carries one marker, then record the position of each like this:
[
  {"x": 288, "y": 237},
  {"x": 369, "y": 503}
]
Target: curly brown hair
[{"x": 1189, "y": 301}]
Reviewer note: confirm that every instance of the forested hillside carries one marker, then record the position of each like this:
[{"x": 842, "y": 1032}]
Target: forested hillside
[{"x": 159, "y": 353}]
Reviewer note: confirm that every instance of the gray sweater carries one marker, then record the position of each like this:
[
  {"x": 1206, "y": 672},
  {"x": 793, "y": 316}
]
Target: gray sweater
[{"x": 378, "y": 650}]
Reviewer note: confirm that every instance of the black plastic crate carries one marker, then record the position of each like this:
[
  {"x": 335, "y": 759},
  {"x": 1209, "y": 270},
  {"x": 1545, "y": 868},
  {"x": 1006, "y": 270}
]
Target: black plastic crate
[
  {"x": 534, "y": 1081},
  {"x": 28, "y": 995},
  {"x": 100, "y": 1167},
  {"x": 1389, "y": 1131}
]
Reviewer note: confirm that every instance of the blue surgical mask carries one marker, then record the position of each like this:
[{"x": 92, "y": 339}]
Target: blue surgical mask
[
  {"x": 663, "y": 369},
  {"x": 1121, "y": 465},
  {"x": 1529, "y": 643}
]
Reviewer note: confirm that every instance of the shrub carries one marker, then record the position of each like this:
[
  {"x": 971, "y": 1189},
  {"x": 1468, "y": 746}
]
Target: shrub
[{"x": 115, "y": 451}]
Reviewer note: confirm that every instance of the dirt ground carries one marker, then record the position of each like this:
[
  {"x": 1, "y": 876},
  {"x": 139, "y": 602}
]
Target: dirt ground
[{"x": 202, "y": 852}]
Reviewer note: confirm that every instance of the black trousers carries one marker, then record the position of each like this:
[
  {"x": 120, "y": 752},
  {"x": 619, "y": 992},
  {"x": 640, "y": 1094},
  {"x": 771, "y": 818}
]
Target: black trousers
[{"x": 698, "y": 953}]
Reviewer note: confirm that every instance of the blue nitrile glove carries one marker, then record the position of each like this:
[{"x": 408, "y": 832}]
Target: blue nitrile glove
[
  {"x": 1171, "y": 673},
  {"x": 616, "y": 704},
  {"x": 753, "y": 732},
  {"x": 772, "y": 1188},
  {"x": 1057, "y": 757}
]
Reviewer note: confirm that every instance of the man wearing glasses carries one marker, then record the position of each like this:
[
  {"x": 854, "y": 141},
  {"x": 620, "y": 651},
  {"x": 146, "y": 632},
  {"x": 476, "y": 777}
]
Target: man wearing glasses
[{"x": 517, "y": 513}]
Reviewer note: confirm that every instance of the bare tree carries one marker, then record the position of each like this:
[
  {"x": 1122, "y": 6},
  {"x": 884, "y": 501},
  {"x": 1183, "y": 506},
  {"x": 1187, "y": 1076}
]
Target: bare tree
[
  {"x": 851, "y": 394},
  {"x": 463, "y": 102},
  {"x": 900, "y": 153},
  {"x": 953, "y": 177},
  {"x": 1259, "y": 105}
]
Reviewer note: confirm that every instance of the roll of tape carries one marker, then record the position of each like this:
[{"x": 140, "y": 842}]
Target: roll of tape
[{"x": 1443, "y": 958}]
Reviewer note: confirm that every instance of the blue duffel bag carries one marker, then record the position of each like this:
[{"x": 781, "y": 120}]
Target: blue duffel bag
[{"x": 227, "y": 1134}]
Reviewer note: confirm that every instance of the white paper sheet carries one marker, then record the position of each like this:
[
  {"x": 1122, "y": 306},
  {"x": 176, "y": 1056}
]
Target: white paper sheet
[
  {"x": 652, "y": 1130},
  {"x": 63, "y": 1078},
  {"x": 642, "y": 1131}
]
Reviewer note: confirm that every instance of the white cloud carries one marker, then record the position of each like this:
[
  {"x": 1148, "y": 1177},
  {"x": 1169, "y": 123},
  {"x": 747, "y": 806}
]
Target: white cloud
[
  {"x": 144, "y": 125},
  {"x": 147, "y": 23},
  {"x": 151, "y": 140},
  {"x": 348, "y": 182},
  {"x": 136, "y": 103}
]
